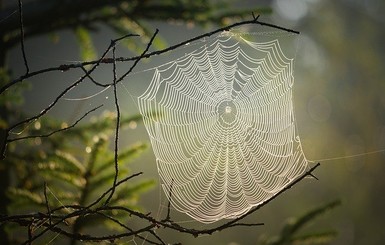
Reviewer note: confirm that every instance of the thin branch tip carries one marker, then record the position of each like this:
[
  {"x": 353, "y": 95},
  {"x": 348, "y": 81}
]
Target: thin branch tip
[
  {"x": 124, "y": 37},
  {"x": 22, "y": 37},
  {"x": 312, "y": 175},
  {"x": 310, "y": 172},
  {"x": 168, "y": 216},
  {"x": 255, "y": 18}
]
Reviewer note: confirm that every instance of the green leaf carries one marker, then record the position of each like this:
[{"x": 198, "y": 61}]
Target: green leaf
[
  {"x": 21, "y": 197},
  {"x": 126, "y": 25},
  {"x": 72, "y": 179},
  {"x": 125, "y": 121},
  {"x": 126, "y": 155},
  {"x": 58, "y": 196},
  {"x": 87, "y": 49},
  {"x": 101, "y": 125},
  {"x": 315, "y": 238},
  {"x": 12, "y": 96},
  {"x": 288, "y": 232},
  {"x": 66, "y": 161},
  {"x": 293, "y": 226},
  {"x": 103, "y": 180},
  {"x": 128, "y": 196},
  {"x": 97, "y": 150}
]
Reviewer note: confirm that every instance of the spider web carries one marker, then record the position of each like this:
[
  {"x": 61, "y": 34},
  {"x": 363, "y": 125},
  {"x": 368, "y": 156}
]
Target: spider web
[{"x": 222, "y": 128}]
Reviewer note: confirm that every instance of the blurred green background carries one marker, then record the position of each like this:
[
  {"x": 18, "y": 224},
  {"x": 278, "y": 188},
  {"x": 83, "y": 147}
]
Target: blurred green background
[{"x": 339, "y": 105}]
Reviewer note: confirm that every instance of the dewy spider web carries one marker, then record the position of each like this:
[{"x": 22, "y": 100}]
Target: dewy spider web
[{"x": 221, "y": 124}]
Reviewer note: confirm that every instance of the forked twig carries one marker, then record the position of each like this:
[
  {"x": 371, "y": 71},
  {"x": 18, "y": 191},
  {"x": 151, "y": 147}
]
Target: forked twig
[
  {"x": 116, "y": 80},
  {"x": 168, "y": 216}
]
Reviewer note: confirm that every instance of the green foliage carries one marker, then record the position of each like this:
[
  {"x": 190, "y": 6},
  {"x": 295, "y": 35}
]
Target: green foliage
[
  {"x": 87, "y": 49},
  {"x": 11, "y": 98},
  {"x": 136, "y": 17},
  {"x": 126, "y": 25},
  {"x": 289, "y": 233},
  {"x": 76, "y": 165},
  {"x": 122, "y": 16},
  {"x": 23, "y": 198}
]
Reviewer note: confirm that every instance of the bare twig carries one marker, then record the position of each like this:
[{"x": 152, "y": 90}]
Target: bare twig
[
  {"x": 168, "y": 217},
  {"x": 22, "y": 36},
  {"x": 80, "y": 237},
  {"x": 30, "y": 232},
  {"x": 138, "y": 58},
  {"x": 117, "y": 127},
  {"x": 92, "y": 79},
  {"x": 47, "y": 203},
  {"x": 116, "y": 80},
  {"x": 25, "y": 220},
  {"x": 56, "y": 131},
  {"x": 131, "y": 230},
  {"x": 111, "y": 189}
]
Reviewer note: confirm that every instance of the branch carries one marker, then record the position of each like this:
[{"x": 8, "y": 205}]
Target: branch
[
  {"x": 89, "y": 238},
  {"x": 234, "y": 221},
  {"x": 47, "y": 203},
  {"x": 25, "y": 220},
  {"x": 168, "y": 217},
  {"x": 113, "y": 44},
  {"x": 131, "y": 230},
  {"x": 56, "y": 131},
  {"x": 22, "y": 36},
  {"x": 112, "y": 188},
  {"x": 66, "y": 67},
  {"x": 196, "y": 232},
  {"x": 116, "y": 156}
]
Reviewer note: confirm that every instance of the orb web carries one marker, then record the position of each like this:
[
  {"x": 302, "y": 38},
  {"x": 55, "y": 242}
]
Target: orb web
[{"x": 224, "y": 131}]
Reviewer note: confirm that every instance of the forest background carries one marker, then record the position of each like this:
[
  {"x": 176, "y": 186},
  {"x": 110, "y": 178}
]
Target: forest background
[{"x": 339, "y": 106}]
